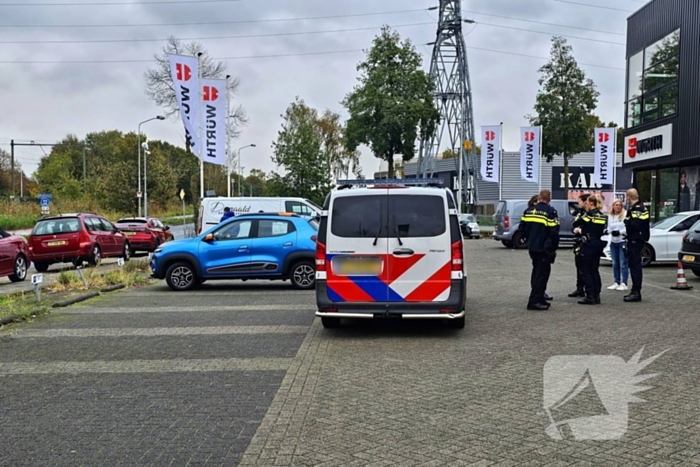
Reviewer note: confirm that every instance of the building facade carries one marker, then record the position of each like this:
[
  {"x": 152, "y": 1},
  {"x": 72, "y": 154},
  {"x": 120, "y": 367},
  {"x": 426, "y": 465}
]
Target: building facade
[
  {"x": 512, "y": 186},
  {"x": 662, "y": 105}
]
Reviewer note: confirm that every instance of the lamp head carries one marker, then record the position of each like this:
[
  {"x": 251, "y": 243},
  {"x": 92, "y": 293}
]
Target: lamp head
[
  {"x": 160, "y": 117},
  {"x": 144, "y": 145}
]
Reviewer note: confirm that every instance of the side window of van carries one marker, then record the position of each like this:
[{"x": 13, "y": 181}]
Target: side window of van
[{"x": 297, "y": 208}]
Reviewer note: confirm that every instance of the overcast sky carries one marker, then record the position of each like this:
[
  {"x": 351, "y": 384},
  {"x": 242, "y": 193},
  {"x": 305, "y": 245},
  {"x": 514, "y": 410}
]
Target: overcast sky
[{"x": 46, "y": 101}]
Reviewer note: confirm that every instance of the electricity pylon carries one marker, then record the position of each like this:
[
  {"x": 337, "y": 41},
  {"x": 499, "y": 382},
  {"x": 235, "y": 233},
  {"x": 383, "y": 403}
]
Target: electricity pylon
[{"x": 449, "y": 71}]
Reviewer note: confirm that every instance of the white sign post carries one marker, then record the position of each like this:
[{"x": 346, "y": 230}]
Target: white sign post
[
  {"x": 120, "y": 262},
  {"x": 36, "y": 280}
]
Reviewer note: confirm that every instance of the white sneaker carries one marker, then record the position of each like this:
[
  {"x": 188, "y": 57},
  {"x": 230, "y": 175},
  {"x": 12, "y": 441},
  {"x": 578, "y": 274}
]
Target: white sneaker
[
  {"x": 622, "y": 287},
  {"x": 615, "y": 286}
]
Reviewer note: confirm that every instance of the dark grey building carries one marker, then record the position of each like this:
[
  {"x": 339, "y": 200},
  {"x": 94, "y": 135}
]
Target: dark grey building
[{"x": 662, "y": 105}]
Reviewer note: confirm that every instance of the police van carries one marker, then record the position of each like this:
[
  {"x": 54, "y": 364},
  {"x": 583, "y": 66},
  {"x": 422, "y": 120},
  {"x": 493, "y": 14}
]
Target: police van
[
  {"x": 212, "y": 209},
  {"x": 390, "y": 248}
]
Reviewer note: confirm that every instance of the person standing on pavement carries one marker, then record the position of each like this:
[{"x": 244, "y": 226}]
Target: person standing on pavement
[
  {"x": 228, "y": 213},
  {"x": 618, "y": 245},
  {"x": 580, "y": 281},
  {"x": 521, "y": 229},
  {"x": 541, "y": 227},
  {"x": 591, "y": 227},
  {"x": 637, "y": 225}
]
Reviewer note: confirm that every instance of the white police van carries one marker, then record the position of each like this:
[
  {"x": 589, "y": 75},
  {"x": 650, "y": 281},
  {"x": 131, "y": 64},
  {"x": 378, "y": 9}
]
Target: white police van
[
  {"x": 212, "y": 209},
  {"x": 390, "y": 248}
]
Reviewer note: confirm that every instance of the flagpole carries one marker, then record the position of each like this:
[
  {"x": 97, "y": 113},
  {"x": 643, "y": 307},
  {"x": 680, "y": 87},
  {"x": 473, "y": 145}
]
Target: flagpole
[
  {"x": 199, "y": 118},
  {"x": 614, "y": 197},
  {"x": 228, "y": 161},
  {"x": 539, "y": 162},
  {"x": 500, "y": 163}
]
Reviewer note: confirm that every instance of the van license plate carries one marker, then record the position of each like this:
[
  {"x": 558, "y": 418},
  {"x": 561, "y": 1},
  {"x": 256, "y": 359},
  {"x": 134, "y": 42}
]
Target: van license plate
[
  {"x": 689, "y": 258},
  {"x": 57, "y": 243},
  {"x": 358, "y": 266}
]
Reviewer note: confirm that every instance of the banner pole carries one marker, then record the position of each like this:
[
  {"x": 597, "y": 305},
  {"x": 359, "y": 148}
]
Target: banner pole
[
  {"x": 615, "y": 166},
  {"x": 199, "y": 119},
  {"x": 500, "y": 163},
  {"x": 539, "y": 162},
  {"x": 228, "y": 158}
]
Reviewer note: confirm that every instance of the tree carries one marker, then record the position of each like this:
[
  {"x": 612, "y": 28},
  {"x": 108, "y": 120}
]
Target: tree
[
  {"x": 596, "y": 122},
  {"x": 299, "y": 152},
  {"x": 159, "y": 83},
  {"x": 393, "y": 104},
  {"x": 340, "y": 159},
  {"x": 564, "y": 106}
]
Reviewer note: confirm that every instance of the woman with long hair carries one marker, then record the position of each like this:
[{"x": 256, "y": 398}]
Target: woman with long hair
[
  {"x": 591, "y": 226},
  {"x": 618, "y": 245}
]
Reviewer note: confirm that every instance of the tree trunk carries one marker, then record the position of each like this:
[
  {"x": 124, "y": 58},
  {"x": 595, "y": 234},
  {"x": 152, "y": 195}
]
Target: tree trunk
[
  {"x": 566, "y": 177},
  {"x": 390, "y": 173}
]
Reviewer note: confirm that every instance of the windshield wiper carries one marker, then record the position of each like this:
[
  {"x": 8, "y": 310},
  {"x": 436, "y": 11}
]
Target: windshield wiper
[
  {"x": 378, "y": 231},
  {"x": 396, "y": 231}
]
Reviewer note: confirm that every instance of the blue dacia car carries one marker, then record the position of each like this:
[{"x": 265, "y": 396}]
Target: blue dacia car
[{"x": 250, "y": 246}]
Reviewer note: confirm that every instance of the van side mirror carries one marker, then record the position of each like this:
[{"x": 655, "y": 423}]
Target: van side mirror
[{"x": 209, "y": 238}]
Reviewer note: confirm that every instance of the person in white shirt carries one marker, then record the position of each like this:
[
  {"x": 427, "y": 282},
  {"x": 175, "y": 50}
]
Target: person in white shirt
[{"x": 618, "y": 246}]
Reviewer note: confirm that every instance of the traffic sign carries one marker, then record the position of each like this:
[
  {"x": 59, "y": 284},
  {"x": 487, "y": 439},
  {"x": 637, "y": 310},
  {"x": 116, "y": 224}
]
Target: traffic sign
[
  {"x": 120, "y": 262},
  {"x": 37, "y": 279},
  {"x": 182, "y": 194},
  {"x": 139, "y": 194},
  {"x": 45, "y": 202},
  {"x": 467, "y": 145}
]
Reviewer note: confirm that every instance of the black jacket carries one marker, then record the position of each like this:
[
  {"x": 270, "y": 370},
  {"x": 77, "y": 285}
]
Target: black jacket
[
  {"x": 637, "y": 223},
  {"x": 540, "y": 226},
  {"x": 592, "y": 224}
]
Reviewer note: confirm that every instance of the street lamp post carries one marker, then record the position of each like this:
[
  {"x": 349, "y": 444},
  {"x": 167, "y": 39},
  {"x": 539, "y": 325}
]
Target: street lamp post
[
  {"x": 239, "y": 167},
  {"x": 159, "y": 117}
]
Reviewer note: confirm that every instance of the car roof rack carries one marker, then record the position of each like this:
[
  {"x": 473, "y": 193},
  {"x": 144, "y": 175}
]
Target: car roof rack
[
  {"x": 378, "y": 182},
  {"x": 280, "y": 214}
]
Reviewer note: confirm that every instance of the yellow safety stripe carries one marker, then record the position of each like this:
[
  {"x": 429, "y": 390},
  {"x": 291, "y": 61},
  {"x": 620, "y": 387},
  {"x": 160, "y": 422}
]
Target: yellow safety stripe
[
  {"x": 641, "y": 215},
  {"x": 538, "y": 219},
  {"x": 595, "y": 220}
]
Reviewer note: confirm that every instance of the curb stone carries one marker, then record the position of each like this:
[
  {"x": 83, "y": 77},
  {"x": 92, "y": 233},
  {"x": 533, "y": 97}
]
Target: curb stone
[
  {"x": 113, "y": 287},
  {"x": 77, "y": 299}
]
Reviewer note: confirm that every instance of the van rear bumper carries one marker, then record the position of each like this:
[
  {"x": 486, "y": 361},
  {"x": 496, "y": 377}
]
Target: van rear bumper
[{"x": 451, "y": 308}]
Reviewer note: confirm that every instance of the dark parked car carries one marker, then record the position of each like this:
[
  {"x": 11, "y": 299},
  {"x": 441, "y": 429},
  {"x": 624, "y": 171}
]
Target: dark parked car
[
  {"x": 75, "y": 238},
  {"x": 14, "y": 256},
  {"x": 689, "y": 255},
  {"x": 144, "y": 233}
]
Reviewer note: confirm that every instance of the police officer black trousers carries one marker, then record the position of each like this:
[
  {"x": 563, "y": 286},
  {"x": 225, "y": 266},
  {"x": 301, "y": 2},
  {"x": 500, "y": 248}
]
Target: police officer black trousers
[
  {"x": 590, "y": 267},
  {"x": 541, "y": 270},
  {"x": 634, "y": 259}
]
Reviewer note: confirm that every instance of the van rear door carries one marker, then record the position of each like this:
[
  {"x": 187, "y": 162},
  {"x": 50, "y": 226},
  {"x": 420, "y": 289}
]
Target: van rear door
[
  {"x": 356, "y": 246},
  {"x": 420, "y": 254}
]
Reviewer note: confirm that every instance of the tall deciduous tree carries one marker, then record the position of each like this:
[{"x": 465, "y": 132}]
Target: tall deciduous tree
[
  {"x": 160, "y": 89},
  {"x": 393, "y": 103},
  {"x": 299, "y": 152},
  {"x": 564, "y": 106}
]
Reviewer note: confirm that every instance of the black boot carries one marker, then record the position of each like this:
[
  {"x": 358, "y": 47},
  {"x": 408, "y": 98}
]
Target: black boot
[
  {"x": 587, "y": 300},
  {"x": 634, "y": 296},
  {"x": 577, "y": 293},
  {"x": 548, "y": 298},
  {"x": 596, "y": 297}
]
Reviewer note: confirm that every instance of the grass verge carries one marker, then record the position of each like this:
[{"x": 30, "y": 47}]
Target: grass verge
[
  {"x": 133, "y": 273},
  {"x": 177, "y": 220}
]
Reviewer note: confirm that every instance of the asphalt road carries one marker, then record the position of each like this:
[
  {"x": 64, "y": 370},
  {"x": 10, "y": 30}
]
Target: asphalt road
[{"x": 243, "y": 374}]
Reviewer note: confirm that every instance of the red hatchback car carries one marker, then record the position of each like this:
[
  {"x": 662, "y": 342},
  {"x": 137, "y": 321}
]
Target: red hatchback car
[
  {"x": 144, "y": 233},
  {"x": 14, "y": 256},
  {"x": 75, "y": 238}
]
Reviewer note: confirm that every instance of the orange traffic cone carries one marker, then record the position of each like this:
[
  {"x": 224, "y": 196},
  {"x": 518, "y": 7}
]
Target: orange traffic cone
[{"x": 681, "y": 283}]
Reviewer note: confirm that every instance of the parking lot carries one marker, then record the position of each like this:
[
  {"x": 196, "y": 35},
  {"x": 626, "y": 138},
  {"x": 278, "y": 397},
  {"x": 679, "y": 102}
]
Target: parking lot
[{"x": 244, "y": 374}]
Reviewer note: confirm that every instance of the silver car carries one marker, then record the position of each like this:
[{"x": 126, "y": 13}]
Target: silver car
[{"x": 469, "y": 226}]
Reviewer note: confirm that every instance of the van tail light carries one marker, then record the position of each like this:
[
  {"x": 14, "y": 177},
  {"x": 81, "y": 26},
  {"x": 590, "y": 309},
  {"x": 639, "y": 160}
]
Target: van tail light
[
  {"x": 84, "y": 237},
  {"x": 684, "y": 237},
  {"x": 457, "y": 256},
  {"x": 506, "y": 222},
  {"x": 320, "y": 256}
]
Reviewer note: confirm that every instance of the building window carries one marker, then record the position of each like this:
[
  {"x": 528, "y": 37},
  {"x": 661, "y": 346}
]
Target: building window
[{"x": 652, "y": 81}]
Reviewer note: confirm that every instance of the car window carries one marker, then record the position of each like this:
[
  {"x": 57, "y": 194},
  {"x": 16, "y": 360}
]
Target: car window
[
  {"x": 56, "y": 226},
  {"x": 668, "y": 222},
  {"x": 93, "y": 224},
  {"x": 417, "y": 215},
  {"x": 695, "y": 227},
  {"x": 358, "y": 216},
  {"x": 131, "y": 221},
  {"x": 106, "y": 225},
  {"x": 297, "y": 208},
  {"x": 686, "y": 224},
  {"x": 501, "y": 208},
  {"x": 573, "y": 209},
  {"x": 313, "y": 205},
  {"x": 274, "y": 228},
  {"x": 234, "y": 230}
]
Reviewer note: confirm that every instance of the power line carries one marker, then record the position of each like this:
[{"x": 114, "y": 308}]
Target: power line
[
  {"x": 208, "y": 23},
  {"x": 594, "y": 6},
  {"x": 541, "y": 58},
  {"x": 548, "y": 33},
  {"x": 243, "y": 36},
  {"x": 145, "y": 2}
]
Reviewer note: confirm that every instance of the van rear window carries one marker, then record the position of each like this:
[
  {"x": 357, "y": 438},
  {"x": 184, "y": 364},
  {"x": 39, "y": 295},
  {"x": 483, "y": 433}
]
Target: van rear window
[{"x": 408, "y": 215}]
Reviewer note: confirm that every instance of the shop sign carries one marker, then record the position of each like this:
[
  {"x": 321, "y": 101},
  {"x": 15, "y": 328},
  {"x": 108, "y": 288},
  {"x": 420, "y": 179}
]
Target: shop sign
[{"x": 650, "y": 144}]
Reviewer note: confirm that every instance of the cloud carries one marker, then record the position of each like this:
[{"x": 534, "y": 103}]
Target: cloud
[{"x": 44, "y": 102}]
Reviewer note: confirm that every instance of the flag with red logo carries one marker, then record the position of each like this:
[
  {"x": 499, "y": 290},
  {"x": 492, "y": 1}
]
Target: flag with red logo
[
  {"x": 604, "y": 156},
  {"x": 214, "y": 132},
  {"x": 185, "y": 75},
  {"x": 490, "y": 153},
  {"x": 530, "y": 153}
]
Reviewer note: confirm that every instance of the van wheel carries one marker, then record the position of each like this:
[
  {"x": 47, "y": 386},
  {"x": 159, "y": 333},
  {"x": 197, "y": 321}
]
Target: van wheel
[
  {"x": 41, "y": 267},
  {"x": 303, "y": 275},
  {"x": 330, "y": 323},
  {"x": 519, "y": 242},
  {"x": 20, "y": 269},
  {"x": 457, "y": 323},
  {"x": 507, "y": 244}
]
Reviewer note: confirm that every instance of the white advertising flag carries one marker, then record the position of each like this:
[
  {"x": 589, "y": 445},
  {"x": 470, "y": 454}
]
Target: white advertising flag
[
  {"x": 185, "y": 75},
  {"x": 604, "y": 156},
  {"x": 214, "y": 133},
  {"x": 490, "y": 152},
  {"x": 530, "y": 153}
]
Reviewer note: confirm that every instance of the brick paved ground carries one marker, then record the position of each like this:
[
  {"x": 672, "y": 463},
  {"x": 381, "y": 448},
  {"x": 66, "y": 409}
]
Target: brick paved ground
[{"x": 238, "y": 374}]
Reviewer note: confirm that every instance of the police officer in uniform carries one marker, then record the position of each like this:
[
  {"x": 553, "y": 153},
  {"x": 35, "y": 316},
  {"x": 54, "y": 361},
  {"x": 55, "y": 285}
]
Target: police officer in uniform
[
  {"x": 580, "y": 281},
  {"x": 591, "y": 226},
  {"x": 541, "y": 228},
  {"x": 637, "y": 225}
]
